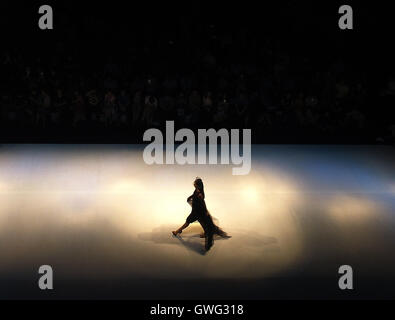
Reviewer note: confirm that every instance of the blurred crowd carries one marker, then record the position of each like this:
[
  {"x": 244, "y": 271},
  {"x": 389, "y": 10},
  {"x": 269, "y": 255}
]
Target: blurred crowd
[{"x": 203, "y": 78}]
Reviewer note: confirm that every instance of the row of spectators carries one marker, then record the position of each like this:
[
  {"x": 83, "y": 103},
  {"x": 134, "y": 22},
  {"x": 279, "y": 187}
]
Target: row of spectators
[{"x": 224, "y": 80}]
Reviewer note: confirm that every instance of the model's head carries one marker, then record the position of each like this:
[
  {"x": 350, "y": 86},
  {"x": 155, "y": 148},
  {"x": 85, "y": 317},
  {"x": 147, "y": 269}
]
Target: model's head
[{"x": 198, "y": 183}]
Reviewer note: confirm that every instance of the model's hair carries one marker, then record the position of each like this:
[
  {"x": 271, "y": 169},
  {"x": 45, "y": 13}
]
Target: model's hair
[{"x": 199, "y": 185}]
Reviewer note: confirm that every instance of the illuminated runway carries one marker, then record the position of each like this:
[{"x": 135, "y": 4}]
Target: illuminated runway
[{"x": 102, "y": 219}]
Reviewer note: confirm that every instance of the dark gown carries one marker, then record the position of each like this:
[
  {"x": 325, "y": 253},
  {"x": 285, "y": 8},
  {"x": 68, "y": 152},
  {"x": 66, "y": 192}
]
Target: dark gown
[{"x": 201, "y": 214}]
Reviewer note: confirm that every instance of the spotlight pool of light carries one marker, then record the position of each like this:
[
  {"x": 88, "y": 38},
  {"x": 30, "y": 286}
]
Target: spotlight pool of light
[
  {"x": 100, "y": 213},
  {"x": 250, "y": 194}
]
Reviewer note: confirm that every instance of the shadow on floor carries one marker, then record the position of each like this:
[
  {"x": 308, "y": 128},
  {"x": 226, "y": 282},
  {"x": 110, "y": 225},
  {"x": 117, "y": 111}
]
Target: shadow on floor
[{"x": 190, "y": 238}]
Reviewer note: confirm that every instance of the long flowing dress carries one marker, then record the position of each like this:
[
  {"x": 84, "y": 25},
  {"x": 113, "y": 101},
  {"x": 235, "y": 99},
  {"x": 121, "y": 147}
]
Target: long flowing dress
[{"x": 201, "y": 214}]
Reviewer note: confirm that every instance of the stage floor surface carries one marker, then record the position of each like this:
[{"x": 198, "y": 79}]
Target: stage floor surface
[{"x": 102, "y": 219}]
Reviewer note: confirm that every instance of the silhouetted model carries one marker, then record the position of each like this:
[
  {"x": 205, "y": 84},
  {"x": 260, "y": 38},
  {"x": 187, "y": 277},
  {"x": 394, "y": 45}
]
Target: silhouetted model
[{"x": 201, "y": 214}]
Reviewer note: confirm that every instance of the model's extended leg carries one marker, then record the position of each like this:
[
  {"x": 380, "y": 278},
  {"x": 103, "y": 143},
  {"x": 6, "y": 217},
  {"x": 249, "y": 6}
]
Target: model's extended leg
[{"x": 179, "y": 230}]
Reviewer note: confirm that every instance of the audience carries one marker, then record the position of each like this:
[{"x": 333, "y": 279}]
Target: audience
[{"x": 224, "y": 80}]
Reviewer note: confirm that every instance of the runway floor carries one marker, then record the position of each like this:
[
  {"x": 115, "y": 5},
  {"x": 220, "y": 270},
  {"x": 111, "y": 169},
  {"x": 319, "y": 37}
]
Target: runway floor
[{"x": 102, "y": 218}]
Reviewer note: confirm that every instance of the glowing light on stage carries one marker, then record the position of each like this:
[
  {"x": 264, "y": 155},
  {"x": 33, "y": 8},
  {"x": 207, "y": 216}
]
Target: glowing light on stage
[
  {"x": 250, "y": 194},
  {"x": 110, "y": 210},
  {"x": 352, "y": 209},
  {"x": 127, "y": 186}
]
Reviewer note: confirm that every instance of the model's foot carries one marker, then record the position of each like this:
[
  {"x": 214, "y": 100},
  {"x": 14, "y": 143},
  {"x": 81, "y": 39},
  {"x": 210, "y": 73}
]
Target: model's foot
[
  {"x": 175, "y": 233},
  {"x": 226, "y": 236},
  {"x": 209, "y": 243}
]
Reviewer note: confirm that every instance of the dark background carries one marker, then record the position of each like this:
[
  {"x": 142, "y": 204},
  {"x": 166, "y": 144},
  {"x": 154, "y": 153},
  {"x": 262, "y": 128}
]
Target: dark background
[
  {"x": 110, "y": 70},
  {"x": 285, "y": 70}
]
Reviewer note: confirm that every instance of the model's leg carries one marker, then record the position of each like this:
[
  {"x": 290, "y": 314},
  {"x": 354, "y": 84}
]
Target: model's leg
[
  {"x": 208, "y": 228},
  {"x": 209, "y": 240},
  {"x": 204, "y": 227},
  {"x": 179, "y": 230}
]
